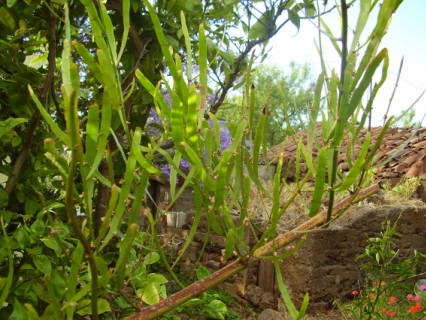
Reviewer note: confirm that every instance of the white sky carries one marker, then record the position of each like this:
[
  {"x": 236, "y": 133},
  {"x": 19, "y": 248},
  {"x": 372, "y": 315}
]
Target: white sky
[{"x": 406, "y": 37}]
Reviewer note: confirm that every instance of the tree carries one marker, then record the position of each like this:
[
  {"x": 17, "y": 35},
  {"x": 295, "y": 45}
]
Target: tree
[
  {"x": 288, "y": 96},
  {"x": 406, "y": 119},
  {"x": 73, "y": 137}
]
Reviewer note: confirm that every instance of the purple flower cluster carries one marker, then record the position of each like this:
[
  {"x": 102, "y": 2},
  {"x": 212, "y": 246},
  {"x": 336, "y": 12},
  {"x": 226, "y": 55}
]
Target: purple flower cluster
[
  {"x": 225, "y": 135},
  {"x": 184, "y": 165},
  {"x": 166, "y": 96},
  {"x": 154, "y": 124}
]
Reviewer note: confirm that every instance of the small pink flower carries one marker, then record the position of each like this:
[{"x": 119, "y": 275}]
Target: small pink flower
[
  {"x": 423, "y": 287},
  {"x": 410, "y": 296},
  {"x": 416, "y": 299},
  {"x": 391, "y": 313}
]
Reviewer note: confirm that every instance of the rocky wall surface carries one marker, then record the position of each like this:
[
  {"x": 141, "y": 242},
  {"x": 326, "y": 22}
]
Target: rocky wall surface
[{"x": 326, "y": 265}]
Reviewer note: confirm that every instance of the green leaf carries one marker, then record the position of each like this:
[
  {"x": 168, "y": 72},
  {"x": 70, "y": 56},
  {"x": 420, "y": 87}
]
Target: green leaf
[
  {"x": 42, "y": 263},
  {"x": 33, "y": 315},
  {"x": 7, "y": 125},
  {"x": 51, "y": 312},
  {"x": 38, "y": 227},
  {"x": 84, "y": 307},
  {"x": 157, "y": 278},
  {"x": 59, "y": 285},
  {"x": 7, "y": 19},
  {"x": 202, "y": 272},
  {"x": 34, "y": 250},
  {"x": 228, "y": 56},
  {"x": 10, "y": 3},
  {"x": 263, "y": 26},
  {"x": 19, "y": 312},
  {"x": 173, "y": 42},
  {"x": 294, "y": 18},
  {"x": 151, "y": 258},
  {"x": 7, "y": 215},
  {"x": 16, "y": 141},
  {"x": 4, "y": 198},
  {"x": 216, "y": 309},
  {"x": 149, "y": 294}
]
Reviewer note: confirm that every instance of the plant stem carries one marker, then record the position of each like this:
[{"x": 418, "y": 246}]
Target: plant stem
[
  {"x": 72, "y": 126},
  {"x": 342, "y": 86}
]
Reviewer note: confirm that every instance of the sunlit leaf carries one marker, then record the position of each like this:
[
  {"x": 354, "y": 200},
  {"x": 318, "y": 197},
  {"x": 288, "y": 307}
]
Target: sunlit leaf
[
  {"x": 7, "y": 19},
  {"x": 149, "y": 294},
  {"x": 294, "y": 18},
  {"x": 84, "y": 307},
  {"x": 263, "y": 26}
]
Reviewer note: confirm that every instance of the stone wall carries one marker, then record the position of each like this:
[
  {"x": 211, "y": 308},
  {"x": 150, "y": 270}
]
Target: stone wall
[{"x": 325, "y": 266}]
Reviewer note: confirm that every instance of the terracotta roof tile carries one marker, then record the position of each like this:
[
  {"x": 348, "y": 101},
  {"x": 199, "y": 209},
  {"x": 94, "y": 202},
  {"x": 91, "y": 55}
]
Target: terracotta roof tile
[{"x": 408, "y": 159}]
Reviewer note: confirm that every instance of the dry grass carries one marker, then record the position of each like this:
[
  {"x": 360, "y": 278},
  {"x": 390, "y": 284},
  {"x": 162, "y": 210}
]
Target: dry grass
[{"x": 260, "y": 206}]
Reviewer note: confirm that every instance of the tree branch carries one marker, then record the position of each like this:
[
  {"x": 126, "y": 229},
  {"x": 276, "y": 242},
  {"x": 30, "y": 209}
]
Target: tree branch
[{"x": 44, "y": 90}]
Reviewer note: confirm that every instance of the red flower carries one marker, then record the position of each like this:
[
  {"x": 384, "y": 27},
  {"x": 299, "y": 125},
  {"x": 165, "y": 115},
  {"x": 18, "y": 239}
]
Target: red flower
[
  {"x": 416, "y": 308},
  {"x": 392, "y": 300},
  {"x": 355, "y": 292}
]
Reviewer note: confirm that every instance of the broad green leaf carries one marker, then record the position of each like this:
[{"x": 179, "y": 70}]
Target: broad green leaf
[
  {"x": 52, "y": 243},
  {"x": 151, "y": 258},
  {"x": 32, "y": 313},
  {"x": 263, "y": 26},
  {"x": 84, "y": 307},
  {"x": 7, "y": 19},
  {"x": 42, "y": 263},
  {"x": 216, "y": 309},
  {"x": 149, "y": 294},
  {"x": 19, "y": 312},
  {"x": 202, "y": 272},
  {"x": 10, "y": 3},
  {"x": 7, "y": 125},
  {"x": 51, "y": 312},
  {"x": 157, "y": 278},
  {"x": 293, "y": 16},
  {"x": 4, "y": 198},
  {"x": 38, "y": 227},
  {"x": 59, "y": 285}
]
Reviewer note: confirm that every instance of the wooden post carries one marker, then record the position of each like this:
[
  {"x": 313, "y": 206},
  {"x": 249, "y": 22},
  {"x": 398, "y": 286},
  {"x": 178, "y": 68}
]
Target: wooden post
[{"x": 266, "y": 275}]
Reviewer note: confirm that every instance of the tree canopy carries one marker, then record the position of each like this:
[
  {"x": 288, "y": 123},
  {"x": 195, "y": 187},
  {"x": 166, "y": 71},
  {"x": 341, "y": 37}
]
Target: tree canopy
[{"x": 288, "y": 96}]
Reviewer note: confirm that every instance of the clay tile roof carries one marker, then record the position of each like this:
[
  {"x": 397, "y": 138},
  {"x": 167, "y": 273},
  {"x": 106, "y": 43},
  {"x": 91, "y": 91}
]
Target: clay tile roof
[{"x": 404, "y": 149}]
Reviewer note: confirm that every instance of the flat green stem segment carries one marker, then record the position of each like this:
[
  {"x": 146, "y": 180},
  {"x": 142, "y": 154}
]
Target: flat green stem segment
[{"x": 238, "y": 265}]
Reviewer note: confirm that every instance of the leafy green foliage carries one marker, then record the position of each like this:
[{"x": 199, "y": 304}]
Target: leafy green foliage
[
  {"x": 386, "y": 291},
  {"x": 287, "y": 95}
]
